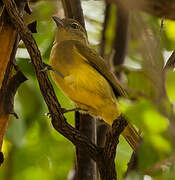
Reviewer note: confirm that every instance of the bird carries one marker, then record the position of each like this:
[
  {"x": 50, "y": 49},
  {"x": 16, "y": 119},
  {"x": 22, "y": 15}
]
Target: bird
[{"x": 85, "y": 78}]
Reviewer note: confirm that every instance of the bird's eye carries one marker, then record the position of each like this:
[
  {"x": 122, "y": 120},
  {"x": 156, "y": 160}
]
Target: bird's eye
[{"x": 75, "y": 26}]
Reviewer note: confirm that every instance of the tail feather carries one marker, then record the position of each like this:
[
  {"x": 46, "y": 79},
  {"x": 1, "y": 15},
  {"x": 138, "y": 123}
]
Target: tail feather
[{"x": 132, "y": 136}]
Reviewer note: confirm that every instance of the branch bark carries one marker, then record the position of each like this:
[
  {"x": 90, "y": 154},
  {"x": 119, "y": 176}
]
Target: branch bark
[{"x": 106, "y": 163}]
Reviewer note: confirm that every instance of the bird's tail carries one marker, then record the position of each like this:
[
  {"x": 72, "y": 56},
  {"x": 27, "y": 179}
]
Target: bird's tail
[{"x": 132, "y": 136}]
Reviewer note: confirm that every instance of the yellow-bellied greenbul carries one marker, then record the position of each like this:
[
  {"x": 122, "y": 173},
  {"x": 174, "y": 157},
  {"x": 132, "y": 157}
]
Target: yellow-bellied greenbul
[{"x": 86, "y": 80}]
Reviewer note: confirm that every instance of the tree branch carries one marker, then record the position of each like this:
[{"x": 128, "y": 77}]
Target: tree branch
[
  {"x": 120, "y": 42},
  {"x": 106, "y": 164}
]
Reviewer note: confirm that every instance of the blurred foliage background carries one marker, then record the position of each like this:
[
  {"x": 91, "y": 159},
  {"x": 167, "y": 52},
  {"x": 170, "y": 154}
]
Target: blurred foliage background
[{"x": 34, "y": 150}]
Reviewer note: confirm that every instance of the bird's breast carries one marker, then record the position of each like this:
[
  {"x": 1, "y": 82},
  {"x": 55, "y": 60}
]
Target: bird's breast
[{"x": 82, "y": 83}]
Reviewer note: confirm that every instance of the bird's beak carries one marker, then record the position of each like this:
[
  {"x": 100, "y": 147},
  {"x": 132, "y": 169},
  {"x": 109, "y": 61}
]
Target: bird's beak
[{"x": 58, "y": 21}]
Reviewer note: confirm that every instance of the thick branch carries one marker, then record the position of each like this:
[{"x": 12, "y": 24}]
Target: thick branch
[
  {"x": 85, "y": 166},
  {"x": 106, "y": 163},
  {"x": 120, "y": 43}
]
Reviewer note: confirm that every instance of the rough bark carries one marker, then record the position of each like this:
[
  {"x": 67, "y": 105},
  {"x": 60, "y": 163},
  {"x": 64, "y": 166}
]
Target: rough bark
[
  {"x": 85, "y": 165},
  {"x": 106, "y": 163}
]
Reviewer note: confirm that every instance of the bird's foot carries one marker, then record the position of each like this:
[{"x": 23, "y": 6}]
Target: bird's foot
[
  {"x": 64, "y": 110},
  {"x": 48, "y": 114},
  {"x": 71, "y": 110},
  {"x": 48, "y": 67}
]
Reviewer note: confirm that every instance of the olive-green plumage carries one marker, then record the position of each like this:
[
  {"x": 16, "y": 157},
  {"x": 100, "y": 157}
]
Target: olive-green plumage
[{"x": 86, "y": 80}]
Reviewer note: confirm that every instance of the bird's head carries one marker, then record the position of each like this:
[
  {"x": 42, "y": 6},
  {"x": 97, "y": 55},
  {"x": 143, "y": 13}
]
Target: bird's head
[{"x": 69, "y": 29}]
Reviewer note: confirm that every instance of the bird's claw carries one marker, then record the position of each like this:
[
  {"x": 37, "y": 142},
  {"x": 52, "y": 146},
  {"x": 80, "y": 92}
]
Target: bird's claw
[
  {"x": 64, "y": 110},
  {"x": 71, "y": 110},
  {"x": 47, "y": 67},
  {"x": 48, "y": 115}
]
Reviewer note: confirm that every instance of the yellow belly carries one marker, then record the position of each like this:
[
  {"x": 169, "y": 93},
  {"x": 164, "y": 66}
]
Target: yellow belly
[{"x": 89, "y": 90}]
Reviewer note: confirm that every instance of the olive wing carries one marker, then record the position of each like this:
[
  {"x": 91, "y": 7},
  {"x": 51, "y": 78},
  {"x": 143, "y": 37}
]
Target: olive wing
[{"x": 91, "y": 57}]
